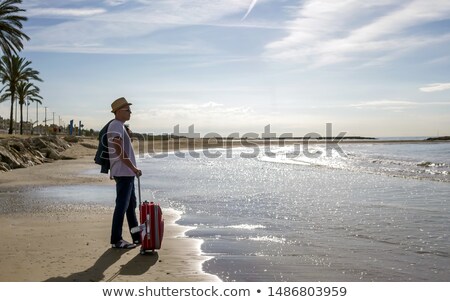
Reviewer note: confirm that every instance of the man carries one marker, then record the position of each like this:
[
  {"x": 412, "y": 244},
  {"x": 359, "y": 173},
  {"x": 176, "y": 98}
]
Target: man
[{"x": 123, "y": 170}]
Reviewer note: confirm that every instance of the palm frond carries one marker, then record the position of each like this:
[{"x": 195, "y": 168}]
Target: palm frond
[{"x": 11, "y": 34}]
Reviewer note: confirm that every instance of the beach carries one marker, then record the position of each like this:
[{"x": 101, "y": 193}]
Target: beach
[
  {"x": 70, "y": 241},
  {"x": 377, "y": 211}
]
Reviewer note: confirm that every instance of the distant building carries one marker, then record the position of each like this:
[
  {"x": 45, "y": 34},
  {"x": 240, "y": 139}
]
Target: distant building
[{"x": 4, "y": 125}]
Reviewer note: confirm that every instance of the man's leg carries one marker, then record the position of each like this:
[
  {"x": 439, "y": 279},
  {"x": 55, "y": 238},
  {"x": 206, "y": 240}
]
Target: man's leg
[
  {"x": 131, "y": 215},
  {"x": 124, "y": 187}
]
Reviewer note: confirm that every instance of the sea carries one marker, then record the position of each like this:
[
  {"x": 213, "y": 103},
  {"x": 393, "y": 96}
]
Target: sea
[{"x": 348, "y": 212}]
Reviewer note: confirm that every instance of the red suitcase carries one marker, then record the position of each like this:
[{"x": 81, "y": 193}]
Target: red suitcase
[
  {"x": 152, "y": 230},
  {"x": 152, "y": 224}
]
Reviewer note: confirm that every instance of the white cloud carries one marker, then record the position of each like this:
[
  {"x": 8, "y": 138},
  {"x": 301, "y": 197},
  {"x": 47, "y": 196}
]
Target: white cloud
[
  {"x": 126, "y": 30},
  {"x": 115, "y": 2},
  {"x": 328, "y": 32},
  {"x": 209, "y": 111},
  {"x": 76, "y": 12},
  {"x": 435, "y": 87},
  {"x": 216, "y": 117},
  {"x": 391, "y": 105},
  {"x": 395, "y": 105}
]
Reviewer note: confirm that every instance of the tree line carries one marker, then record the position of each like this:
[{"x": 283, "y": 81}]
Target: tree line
[{"x": 16, "y": 73}]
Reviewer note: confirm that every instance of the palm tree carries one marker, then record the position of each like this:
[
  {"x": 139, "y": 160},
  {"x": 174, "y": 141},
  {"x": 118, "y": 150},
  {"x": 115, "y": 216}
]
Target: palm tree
[
  {"x": 14, "y": 70},
  {"x": 25, "y": 91},
  {"x": 11, "y": 34}
]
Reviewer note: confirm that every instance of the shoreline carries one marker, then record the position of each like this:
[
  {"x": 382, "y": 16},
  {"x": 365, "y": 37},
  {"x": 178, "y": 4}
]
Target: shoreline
[
  {"x": 70, "y": 241},
  {"x": 37, "y": 247}
]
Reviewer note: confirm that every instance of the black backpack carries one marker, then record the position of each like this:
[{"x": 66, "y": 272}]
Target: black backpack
[{"x": 102, "y": 154}]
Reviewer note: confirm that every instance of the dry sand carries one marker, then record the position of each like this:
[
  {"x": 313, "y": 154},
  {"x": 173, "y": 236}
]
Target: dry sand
[{"x": 71, "y": 243}]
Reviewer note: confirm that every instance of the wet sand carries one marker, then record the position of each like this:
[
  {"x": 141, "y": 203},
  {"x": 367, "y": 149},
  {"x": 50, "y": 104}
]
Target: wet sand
[{"x": 70, "y": 242}]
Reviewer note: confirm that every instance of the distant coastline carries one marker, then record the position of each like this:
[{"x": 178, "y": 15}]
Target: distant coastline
[
  {"x": 25, "y": 151},
  {"x": 439, "y": 138}
]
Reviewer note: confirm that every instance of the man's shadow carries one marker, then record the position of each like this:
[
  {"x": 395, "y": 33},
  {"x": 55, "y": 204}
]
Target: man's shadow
[{"x": 139, "y": 265}]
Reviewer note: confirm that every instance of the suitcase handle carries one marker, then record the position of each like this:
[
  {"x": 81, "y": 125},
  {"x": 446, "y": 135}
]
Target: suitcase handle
[{"x": 139, "y": 189}]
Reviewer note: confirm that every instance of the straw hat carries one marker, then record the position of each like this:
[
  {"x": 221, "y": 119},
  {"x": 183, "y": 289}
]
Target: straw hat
[{"x": 119, "y": 103}]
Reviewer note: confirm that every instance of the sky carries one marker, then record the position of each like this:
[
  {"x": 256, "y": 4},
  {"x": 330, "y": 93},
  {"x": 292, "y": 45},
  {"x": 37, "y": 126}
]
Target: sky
[{"x": 371, "y": 68}]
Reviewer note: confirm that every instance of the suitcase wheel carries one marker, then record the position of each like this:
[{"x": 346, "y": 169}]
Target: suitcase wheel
[{"x": 143, "y": 252}]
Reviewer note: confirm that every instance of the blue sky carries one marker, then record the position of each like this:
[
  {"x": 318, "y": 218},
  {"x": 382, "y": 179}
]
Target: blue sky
[{"x": 372, "y": 68}]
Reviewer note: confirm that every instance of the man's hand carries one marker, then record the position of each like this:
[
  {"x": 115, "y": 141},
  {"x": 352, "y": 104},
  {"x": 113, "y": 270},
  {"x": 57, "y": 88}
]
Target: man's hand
[{"x": 137, "y": 172}]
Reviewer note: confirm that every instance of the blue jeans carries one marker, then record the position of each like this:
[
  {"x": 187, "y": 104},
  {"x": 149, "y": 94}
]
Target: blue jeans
[{"x": 125, "y": 204}]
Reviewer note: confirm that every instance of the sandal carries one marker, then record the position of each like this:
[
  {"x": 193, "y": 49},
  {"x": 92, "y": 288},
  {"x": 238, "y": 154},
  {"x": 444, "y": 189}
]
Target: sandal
[{"x": 122, "y": 244}]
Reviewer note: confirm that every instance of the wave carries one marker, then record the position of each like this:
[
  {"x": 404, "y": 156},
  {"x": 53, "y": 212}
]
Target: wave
[
  {"x": 268, "y": 239},
  {"x": 246, "y": 226},
  {"x": 366, "y": 160}
]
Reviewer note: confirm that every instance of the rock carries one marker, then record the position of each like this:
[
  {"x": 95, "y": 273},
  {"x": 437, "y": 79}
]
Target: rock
[
  {"x": 51, "y": 153},
  {"x": 4, "y": 167},
  {"x": 72, "y": 139},
  {"x": 20, "y": 153},
  {"x": 89, "y": 146},
  {"x": 49, "y": 142},
  {"x": 10, "y": 156}
]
